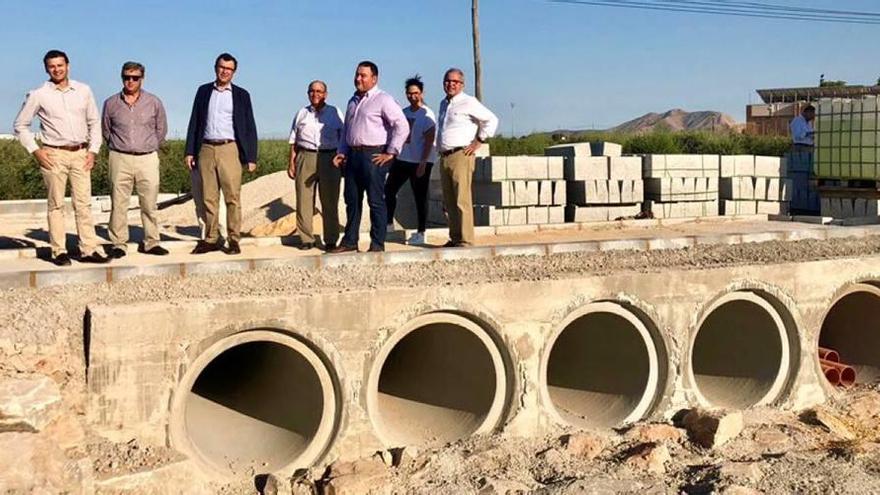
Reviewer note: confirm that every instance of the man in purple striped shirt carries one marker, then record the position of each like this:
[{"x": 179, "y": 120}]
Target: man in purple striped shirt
[{"x": 374, "y": 132}]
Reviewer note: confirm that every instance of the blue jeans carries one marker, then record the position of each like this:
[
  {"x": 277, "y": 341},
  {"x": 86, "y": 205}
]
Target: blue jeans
[{"x": 361, "y": 175}]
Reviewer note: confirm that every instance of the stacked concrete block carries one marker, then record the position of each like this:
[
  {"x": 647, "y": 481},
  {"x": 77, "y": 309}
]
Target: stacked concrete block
[
  {"x": 518, "y": 190},
  {"x": 601, "y": 184},
  {"x": 753, "y": 185},
  {"x": 678, "y": 186},
  {"x": 849, "y": 207}
]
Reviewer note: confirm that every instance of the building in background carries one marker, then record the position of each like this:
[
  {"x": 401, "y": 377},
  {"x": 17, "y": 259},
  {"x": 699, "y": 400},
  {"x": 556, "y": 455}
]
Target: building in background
[{"x": 771, "y": 118}]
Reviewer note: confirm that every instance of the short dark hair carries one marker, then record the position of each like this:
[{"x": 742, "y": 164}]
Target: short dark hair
[
  {"x": 416, "y": 81},
  {"x": 133, "y": 66},
  {"x": 809, "y": 108},
  {"x": 373, "y": 68},
  {"x": 55, "y": 54},
  {"x": 226, "y": 58}
]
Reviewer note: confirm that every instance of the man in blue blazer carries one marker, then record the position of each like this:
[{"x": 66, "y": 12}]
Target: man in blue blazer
[{"x": 223, "y": 135}]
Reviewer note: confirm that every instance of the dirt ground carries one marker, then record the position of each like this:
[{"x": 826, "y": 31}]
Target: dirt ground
[{"x": 41, "y": 339}]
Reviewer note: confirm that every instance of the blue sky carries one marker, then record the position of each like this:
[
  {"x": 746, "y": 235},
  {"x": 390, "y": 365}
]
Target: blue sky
[{"x": 562, "y": 66}]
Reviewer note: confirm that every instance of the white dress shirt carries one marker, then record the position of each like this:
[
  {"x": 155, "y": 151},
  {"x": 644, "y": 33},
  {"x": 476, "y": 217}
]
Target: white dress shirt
[
  {"x": 801, "y": 131},
  {"x": 68, "y": 117},
  {"x": 461, "y": 120},
  {"x": 317, "y": 130},
  {"x": 218, "y": 125}
]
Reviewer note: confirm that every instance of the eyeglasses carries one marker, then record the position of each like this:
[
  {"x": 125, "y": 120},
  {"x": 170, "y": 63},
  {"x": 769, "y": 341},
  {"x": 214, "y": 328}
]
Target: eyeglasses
[
  {"x": 453, "y": 81},
  {"x": 230, "y": 69},
  {"x": 132, "y": 78}
]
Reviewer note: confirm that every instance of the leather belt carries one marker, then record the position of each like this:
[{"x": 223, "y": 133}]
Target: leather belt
[
  {"x": 133, "y": 153},
  {"x": 326, "y": 150},
  {"x": 366, "y": 148},
  {"x": 448, "y": 152},
  {"x": 72, "y": 147},
  {"x": 218, "y": 142}
]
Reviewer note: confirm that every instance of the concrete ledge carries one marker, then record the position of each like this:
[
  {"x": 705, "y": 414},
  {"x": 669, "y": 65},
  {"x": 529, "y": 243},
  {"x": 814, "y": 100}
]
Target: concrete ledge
[
  {"x": 15, "y": 280},
  {"x": 574, "y": 247},
  {"x": 351, "y": 259},
  {"x": 123, "y": 272},
  {"x": 801, "y": 235},
  {"x": 762, "y": 237},
  {"x": 522, "y": 250},
  {"x": 718, "y": 239},
  {"x": 48, "y": 278},
  {"x": 842, "y": 232},
  {"x": 420, "y": 256},
  {"x": 308, "y": 262},
  {"x": 558, "y": 226},
  {"x": 211, "y": 267},
  {"x": 672, "y": 243},
  {"x": 468, "y": 253},
  {"x": 624, "y": 245},
  {"x": 515, "y": 229}
]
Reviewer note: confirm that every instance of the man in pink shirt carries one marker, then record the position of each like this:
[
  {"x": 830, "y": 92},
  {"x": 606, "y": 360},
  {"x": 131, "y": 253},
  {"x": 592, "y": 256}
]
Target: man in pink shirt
[{"x": 373, "y": 134}]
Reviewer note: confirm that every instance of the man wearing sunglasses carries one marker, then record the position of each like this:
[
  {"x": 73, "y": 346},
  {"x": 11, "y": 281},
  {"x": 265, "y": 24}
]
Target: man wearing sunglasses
[
  {"x": 134, "y": 126},
  {"x": 463, "y": 125},
  {"x": 70, "y": 140},
  {"x": 223, "y": 135}
]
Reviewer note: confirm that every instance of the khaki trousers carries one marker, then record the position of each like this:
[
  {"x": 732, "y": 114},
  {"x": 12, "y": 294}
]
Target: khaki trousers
[
  {"x": 198, "y": 195},
  {"x": 456, "y": 175},
  {"x": 220, "y": 169},
  {"x": 69, "y": 164},
  {"x": 142, "y": 174},
  {"x": 316, "y": 168}
]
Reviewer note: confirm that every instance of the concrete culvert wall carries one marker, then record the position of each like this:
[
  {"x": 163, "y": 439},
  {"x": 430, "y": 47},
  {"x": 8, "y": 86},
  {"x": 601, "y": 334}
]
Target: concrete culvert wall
[
  {"x": 852, "y": 328},
  {"x": 440, "y": 379},
  {"x": 602, "y": 368},
  {"x": 740, "y": 355},
  {"x": 259, "y": 400}
]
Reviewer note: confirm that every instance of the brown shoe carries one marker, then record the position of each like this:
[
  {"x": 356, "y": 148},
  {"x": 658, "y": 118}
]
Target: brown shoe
[{"x": 342, "y": 248}]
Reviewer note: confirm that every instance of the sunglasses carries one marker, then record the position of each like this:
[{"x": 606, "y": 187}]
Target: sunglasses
[{"x": 132, "y": 78}]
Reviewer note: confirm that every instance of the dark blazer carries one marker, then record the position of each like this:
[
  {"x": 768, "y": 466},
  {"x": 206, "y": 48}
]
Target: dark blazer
[{"x": 242, "y": 122}]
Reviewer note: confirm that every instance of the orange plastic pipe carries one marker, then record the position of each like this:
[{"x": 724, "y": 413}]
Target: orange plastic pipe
[
  {"x": 829, "y": 354},
  {"x": 831, "y": 373},
  {"x": 847, "y": 373}
]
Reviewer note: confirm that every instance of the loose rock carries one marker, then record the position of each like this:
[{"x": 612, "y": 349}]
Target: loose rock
[{"x": 712, "y": 429}]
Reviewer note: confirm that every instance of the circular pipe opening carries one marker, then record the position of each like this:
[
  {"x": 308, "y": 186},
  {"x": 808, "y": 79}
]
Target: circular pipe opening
[
  {"x": 740, "y": 355},
  {"x": 602, "y": 368},
  {"x": 440, "y": 379},
  {"x": 852, "y": 329},
  {"x": 258, "y": 400}
]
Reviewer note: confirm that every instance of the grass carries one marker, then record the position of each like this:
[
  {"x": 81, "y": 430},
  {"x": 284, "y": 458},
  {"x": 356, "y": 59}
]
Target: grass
[{"x": 21, "y": 177}]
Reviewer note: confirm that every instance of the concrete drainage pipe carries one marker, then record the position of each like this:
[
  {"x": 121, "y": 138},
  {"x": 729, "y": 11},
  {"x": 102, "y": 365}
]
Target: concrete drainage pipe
[
  {"x": 259, "y": 400},
  {"x": 740, "y": 354},
  {"x": 852, "y": 328},
  {"x": 601, "y": 369},
  {"x": 439, "y": 379}
]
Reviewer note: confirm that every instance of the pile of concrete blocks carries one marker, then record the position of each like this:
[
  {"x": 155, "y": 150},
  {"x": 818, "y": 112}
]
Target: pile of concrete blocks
[
  {"x": 681, "y": 186},
  {"x": 753, "y": 185},
  {"x": 518, "y": 190},
  {"x": 849, "y": 207},
  {"x": 601, "y": 184}
]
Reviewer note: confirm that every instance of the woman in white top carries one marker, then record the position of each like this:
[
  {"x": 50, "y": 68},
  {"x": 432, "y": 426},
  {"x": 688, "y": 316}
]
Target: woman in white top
[{"x": 416, "y": 158}]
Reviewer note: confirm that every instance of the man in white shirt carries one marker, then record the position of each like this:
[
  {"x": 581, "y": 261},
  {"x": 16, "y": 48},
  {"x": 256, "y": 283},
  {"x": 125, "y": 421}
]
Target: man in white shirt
[
  {"x": 314, "y": 138},
  {"x": 71, "y": 139},
  {"x": 463, "y": 125},
  {"x": 802, "y": 128},
  {"x": 416, "y": 158}
]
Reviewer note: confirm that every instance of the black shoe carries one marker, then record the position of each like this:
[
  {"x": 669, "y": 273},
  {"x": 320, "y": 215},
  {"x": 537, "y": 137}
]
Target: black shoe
[
  {"x": 342, "y": 248},
  {"x": 61, "y": 260},
  {"x": 94, "y": 258},
  {"x": 329, "y": 247},
  {"x": 306, "y": 246},
  {"x": 451, "y": 244},
  {"x": 376, "y": 249},
  {"x": 116, "y": 253},
  {"x": 233, "y": 248},
  {"x": 157, "y": 251},
  {"x": 203, "y": 247}
]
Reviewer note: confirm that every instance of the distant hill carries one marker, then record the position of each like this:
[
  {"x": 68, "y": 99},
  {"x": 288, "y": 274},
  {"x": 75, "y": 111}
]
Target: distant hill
[{"x": 680, "y": 120}]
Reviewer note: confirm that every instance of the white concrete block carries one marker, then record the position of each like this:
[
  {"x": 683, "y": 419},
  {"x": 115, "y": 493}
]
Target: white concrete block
[
  {"x": 760, "y": 188},
  {"x": 556, "y": 214},
  {"x": 569, "y": 150},
  {"x": 490, "y": 169},
  {"x": 769, "y": 166},
  {"x": 712, "y": 163},
  {"x": 614, "y": 191},
  {"x": 606, "y": 149},
  {"x": 626, "y": 192},
  {"x": 537, "y": 215},
  {"x": 625, "y": 168},
  {"x": 684, "y": 162},
  {"x": 772, "y": 207},
  {"x": 545, "y": 192},
  {"x": 586, "y": 168},
  {"x": 527, "y": 167},
  {"x": 559, "y": 192}
]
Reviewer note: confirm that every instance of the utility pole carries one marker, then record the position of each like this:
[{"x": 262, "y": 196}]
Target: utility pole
[{"x": 478, "y": 67}]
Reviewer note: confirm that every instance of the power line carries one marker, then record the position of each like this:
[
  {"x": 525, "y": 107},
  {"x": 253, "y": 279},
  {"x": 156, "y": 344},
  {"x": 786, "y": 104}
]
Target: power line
[
  {"x": 783, "y": 8},
  {"x": 723, "y": 10}
]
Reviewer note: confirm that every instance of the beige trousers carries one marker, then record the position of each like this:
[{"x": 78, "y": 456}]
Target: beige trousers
[
  {"x": 69, "y": 164},
  {"x": 198, "y": 195},
  {"x": 220, "y": 169},
  {"x": 456, "y": 175},
  {"x": 314, "y": 168},
  {"x": 140, "y": 173}
]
